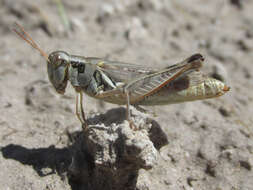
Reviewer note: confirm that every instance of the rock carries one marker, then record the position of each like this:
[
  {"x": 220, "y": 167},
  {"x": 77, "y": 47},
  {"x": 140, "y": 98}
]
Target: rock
[
  {"x": 105, "y": 11},
  {"x": 109, "y": 155},
  {"x": 150, "y": 5},
  {"x": 136, "y": 30}
]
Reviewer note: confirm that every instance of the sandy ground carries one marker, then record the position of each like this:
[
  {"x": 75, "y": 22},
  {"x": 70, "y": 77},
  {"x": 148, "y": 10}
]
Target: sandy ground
[{"x": 210, "y": 141}]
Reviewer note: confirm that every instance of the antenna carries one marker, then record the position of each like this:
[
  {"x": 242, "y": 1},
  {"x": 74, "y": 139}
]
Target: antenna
[{"x": 19, "y": 30}]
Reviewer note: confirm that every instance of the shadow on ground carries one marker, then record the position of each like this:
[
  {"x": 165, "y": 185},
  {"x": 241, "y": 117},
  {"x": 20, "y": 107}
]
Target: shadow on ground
[{"x": 39, "y": 158}]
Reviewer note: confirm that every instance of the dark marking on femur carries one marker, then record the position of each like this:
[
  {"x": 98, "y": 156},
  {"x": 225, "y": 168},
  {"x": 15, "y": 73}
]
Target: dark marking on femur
[
  {"x": 195, "y": 57},
  {"x": 180, "y": 84}
]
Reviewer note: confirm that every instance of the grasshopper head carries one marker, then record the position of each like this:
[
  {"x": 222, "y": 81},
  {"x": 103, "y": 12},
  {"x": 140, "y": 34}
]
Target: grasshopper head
[{"x": 57, "y": 68}]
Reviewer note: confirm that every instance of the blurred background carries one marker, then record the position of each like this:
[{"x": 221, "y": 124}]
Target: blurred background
[{"x": 210, "y": 141}]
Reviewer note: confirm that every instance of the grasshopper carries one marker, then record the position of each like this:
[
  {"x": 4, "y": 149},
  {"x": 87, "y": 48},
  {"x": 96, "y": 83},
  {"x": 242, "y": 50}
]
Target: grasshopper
[{"x": 125, "y": 83}]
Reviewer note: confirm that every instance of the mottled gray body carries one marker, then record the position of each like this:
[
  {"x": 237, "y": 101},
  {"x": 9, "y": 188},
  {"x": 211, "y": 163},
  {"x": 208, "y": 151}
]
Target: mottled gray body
[{"x": 96, "y": 77}]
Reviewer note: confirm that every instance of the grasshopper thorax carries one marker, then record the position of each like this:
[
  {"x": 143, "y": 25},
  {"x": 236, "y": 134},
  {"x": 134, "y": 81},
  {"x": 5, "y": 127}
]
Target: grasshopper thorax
[{"x": 57, "y": 67}]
